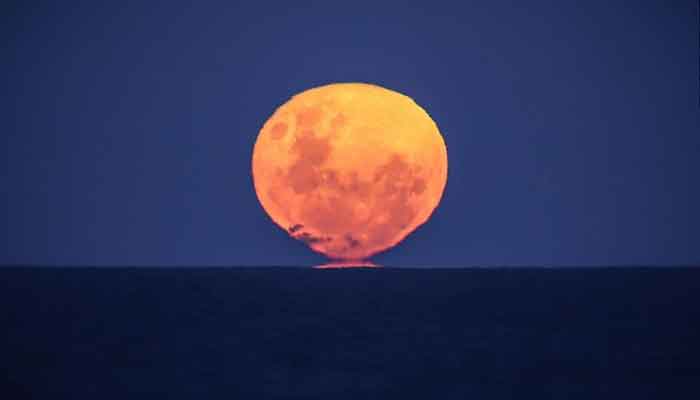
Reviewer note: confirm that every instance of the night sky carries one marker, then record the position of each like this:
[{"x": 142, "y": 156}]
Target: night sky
[{"x": 572, "y": 127}]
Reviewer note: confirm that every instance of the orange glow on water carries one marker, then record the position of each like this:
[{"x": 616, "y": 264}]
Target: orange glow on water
[{"x": 347, "y": 264}]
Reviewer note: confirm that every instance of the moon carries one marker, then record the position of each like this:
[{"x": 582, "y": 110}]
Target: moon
[{"x": 350, "y": 169}]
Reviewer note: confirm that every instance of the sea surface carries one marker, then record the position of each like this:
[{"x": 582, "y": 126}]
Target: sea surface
[{"x": 372, "y": 333}]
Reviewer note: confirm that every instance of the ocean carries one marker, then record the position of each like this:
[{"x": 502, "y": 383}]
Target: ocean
[{"x": 370, "y": 333}]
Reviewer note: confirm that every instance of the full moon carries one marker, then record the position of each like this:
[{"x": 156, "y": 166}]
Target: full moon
[{"x": 349, "y": 168}]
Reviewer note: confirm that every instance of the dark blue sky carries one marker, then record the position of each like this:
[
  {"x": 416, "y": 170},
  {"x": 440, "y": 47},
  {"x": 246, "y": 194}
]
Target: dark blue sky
[{"x": 572, "y": 127}]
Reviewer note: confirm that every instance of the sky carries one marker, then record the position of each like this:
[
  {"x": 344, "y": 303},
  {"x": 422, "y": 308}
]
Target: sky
[{"x": 572, "y": 128}]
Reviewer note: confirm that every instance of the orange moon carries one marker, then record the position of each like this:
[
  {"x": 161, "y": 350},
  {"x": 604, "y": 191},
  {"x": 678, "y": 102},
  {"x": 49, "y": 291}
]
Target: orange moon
[{"x": 349, "y": 168}]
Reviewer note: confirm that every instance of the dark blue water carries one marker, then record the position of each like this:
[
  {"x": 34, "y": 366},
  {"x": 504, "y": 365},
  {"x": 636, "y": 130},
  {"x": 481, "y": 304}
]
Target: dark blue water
[{"x": 288, "y": 333}]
